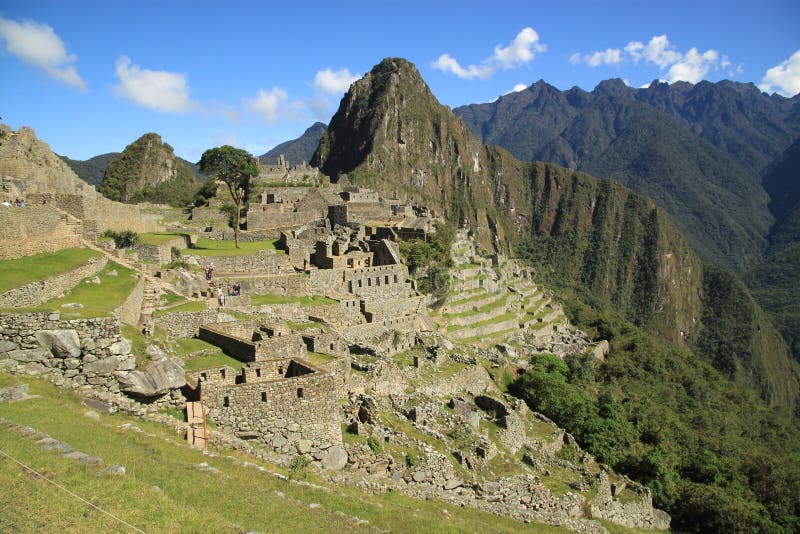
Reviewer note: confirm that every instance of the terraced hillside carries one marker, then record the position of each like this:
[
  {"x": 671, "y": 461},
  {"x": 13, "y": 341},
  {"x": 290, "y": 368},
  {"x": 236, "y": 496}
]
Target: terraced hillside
[{"x": 492, "y": 299}]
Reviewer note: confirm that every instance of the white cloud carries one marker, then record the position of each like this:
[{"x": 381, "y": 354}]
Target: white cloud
[
  {"x": 274, "y": 105},
  {"x": 691, "y": 67},
  {"x": 609, "y": 56},
  {"x": 783, "y": 79},
  {"x": 521, "y": 50},
  {"x": 154, "y": 89},
  {"x": 658, "y": 51},
  {"x": 447, "y": 63},
  {"x": 38, "y": 45},
  {"x": 519, "y": 87},
  {"x": 334, "y": 82}
]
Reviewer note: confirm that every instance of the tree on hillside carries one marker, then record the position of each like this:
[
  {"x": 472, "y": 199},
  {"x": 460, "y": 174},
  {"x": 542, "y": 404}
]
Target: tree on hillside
[{"x": 234, "y": 167}]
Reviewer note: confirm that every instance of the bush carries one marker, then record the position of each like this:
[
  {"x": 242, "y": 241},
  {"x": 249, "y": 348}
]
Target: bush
[
  {"x": 297, "y": 467},
  {"x": 412, "y": 459},
  {"x": 374, "y": 444},
  {"x": 124, "y": 239}
]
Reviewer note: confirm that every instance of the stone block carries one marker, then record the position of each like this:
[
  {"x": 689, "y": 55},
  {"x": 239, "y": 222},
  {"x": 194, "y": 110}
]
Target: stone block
[
  {"x": 62, "y": 343},
  {"x": 30, "y": 355},
  {"x": 335, "y": 458},
  {"x": 121, "y": 347},
  {"x": 6, "y": 346},
  {"x": 105, "y": 366}
]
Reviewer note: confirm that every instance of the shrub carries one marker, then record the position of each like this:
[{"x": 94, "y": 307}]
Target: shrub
[
  {"x": 124, "y": 239},
  {"x": 374, "y": 444}
]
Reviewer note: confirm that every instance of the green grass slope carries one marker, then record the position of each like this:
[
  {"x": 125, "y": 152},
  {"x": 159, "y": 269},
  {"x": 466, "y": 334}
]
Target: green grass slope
[{"x": 170, "y": 487}]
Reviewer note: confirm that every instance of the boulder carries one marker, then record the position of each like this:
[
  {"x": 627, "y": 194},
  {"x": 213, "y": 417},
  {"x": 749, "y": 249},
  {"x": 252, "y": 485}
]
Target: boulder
[
  {"x": 15, "y": 393},
  {"x": 335, "y": 458},
  {"x": 158, "y": 379},
  {"x": 62, "y": 343}
]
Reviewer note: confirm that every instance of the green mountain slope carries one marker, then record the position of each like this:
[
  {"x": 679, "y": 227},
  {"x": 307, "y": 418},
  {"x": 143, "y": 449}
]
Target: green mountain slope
[
  {"x": 667, "y": 142},
  {"x": 297, "y": 150},
  {"x": 148, "y": 170},
  {"x": 92, "y": 169},
  {"x": 775, "y": 282}
]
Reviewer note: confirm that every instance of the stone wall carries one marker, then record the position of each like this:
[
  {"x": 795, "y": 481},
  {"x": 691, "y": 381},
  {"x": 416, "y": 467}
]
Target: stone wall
[
  {"x": 87, "y": 351},
  {"x": 259, "y": 217},
  {"x": 298, "y": 414},
  {"x": 378, "y": 310},
  {"x": 344, "y": 313},
  {"x": 131, "y": 309},
  {"x": 98, "y": 213},
  {"x": 265, "y": 262},
  {"x": 159, "y": 254},
  {"x": 293, "y": 284},
  {"x": 235, "y": 347},
  {"x": 187, "y": 324},
  {"x": 35, "y": 230},
  {"x": 381, "y": 281},
  {"x": 36, "y": 293},
  {"x": 485, "y": 330}
]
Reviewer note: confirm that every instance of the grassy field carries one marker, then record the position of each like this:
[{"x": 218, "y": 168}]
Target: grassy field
[
  {"x": 314, "y": 300},
  {"x": 199, "y": 354},
  {"x": 213, "y": 247},
  {"x": 98, "y": 300},
  {"x": 169, "y": 487},
  {"x": 21, "y": 271}
]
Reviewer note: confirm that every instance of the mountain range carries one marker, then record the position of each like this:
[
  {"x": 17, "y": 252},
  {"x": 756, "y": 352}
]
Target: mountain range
[{"x": 296, "y": 151}]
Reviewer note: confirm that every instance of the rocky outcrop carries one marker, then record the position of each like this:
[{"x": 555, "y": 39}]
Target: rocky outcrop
[
  {"x": 156, "y": 380},
  {"x": 27, "y": 165}
]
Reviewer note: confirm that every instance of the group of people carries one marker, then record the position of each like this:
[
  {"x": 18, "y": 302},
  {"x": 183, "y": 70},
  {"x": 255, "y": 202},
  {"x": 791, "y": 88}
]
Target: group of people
[
  {"x": 18, "y": 203},
  {"x": 210, "y": 272},
  {"x": 233, "y": 291}
]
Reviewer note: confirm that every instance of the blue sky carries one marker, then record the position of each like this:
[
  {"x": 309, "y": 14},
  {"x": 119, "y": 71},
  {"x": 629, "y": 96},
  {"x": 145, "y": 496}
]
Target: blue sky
[{"x": 92, "y": 76}]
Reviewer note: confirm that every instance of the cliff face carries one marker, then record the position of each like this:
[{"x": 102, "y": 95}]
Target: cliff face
[
  {"x": 27, "y": 165},
  {"x": 148, "y": 170}
]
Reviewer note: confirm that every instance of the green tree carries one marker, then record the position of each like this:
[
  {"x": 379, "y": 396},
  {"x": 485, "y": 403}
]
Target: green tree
[{"x": 233, "y": 167}]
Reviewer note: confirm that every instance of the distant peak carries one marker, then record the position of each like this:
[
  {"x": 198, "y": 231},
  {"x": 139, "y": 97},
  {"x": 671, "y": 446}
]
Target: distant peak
[{"x": 611, "y": 87}]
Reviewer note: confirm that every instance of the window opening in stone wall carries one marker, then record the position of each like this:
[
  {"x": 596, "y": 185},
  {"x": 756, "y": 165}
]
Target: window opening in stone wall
[
  {"x": 369, "y": 282},
  {"x": 395, "y": 279},
  {"x": 202, "y": 376},
  {"x": 350, "y": 286},
  {"x": 386, "y": 279},
  {"x": 280, "y": 370},
  {"x": 359, "y": 283},
  {"x": 258, "y": 373},
  {"x": 299, "y": 393},
  {"x": 263, "y": 396},
  {"x": 226, "y": 401},
  {"x": 222, "y": 373},
  {"x": 331, "y": 346}
]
